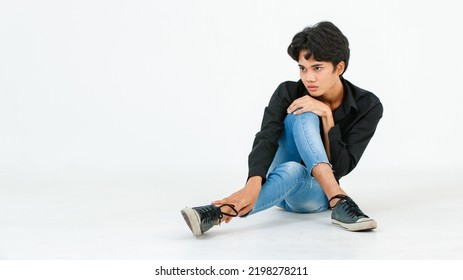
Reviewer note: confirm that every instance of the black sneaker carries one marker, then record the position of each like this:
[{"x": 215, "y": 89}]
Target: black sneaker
[
  {"x": 348, "y": 215},
  {"x": 201, "y": 219}
]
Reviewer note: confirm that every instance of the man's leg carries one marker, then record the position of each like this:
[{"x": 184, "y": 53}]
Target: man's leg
[
  {"x": 291, "y": 187},
  {"x": 346, "y": 213},
  {"x": 305, "y": 129},
  {"x": 289, "y": 184}
]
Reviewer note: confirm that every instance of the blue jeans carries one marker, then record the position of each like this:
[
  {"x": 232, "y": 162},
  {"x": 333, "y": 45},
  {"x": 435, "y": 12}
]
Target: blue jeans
[{"x": 289, "y": 183}]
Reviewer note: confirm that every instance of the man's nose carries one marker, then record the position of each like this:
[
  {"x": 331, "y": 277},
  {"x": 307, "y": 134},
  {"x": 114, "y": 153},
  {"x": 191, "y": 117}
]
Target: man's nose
[{"x": 309, "y": 76}]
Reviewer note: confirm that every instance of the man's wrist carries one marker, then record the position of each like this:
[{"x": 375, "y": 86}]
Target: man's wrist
[
  {"x": 327, "y": 112},
  {"x": 255, "y": 181}
]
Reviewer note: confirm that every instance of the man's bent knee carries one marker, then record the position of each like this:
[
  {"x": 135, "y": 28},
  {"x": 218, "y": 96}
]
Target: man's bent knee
[{"x": 290, "y": 170}]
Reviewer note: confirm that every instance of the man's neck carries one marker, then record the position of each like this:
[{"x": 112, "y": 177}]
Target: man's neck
[{"x": 333, "y": 98}]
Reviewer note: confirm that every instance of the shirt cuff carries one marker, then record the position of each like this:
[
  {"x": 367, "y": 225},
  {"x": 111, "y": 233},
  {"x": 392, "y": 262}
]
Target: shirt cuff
[{"x": 257, "y": 171}]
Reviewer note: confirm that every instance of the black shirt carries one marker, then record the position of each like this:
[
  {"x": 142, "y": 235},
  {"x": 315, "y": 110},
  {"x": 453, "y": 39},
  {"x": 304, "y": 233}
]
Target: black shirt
[{"x": 355, "y": 123}]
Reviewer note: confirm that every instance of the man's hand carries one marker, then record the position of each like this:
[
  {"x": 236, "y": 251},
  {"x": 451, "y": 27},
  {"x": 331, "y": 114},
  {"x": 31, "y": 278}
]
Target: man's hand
[
  {"x": 308, "y": 104},
  {"x": 243, "y": 200}
]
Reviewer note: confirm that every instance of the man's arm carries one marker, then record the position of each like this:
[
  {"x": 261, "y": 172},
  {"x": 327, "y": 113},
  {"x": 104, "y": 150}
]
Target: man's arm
[
  {"x": 347, "y": 149},
  {"x": 327, "y": 124}
]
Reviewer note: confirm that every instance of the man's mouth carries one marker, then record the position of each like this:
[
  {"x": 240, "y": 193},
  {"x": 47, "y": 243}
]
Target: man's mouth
[{"x": 312, "y": 88}]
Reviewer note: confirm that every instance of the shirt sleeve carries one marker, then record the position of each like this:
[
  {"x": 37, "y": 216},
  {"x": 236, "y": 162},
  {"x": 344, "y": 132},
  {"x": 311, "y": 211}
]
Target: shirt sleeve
[
  {"x": 265, "y": 142},
  {"x": 346, "y": 150}
]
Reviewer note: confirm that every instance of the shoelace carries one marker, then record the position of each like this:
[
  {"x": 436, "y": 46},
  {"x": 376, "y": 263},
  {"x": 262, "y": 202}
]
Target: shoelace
[
  {"x": 340, "y": 196},
  {"x": 232, "y": 207},
  {"x": 212, "y": 213},
  {"x": 350, "y": 207}
]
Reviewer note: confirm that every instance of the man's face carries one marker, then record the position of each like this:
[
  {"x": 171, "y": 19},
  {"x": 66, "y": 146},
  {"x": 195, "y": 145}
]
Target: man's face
[{"x": 318, "y": 77}]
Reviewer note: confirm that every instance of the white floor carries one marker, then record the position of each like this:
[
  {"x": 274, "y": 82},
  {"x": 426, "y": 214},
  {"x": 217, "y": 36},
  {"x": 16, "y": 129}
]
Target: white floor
[{"x": 418, "y": 212}]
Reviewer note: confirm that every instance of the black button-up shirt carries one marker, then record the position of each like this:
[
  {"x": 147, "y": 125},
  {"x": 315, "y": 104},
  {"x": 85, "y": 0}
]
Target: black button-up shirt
[{"x": 355, "y": 123}]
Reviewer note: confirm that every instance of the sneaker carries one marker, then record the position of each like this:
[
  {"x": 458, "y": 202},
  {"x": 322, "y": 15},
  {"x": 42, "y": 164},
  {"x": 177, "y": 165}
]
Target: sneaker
[
  {"x": 203, "y": 218},
  {"x": 348, "y": 215}
]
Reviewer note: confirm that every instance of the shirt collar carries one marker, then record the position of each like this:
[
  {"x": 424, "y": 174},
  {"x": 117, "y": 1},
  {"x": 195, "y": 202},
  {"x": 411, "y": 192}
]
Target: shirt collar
[{"x": 348, "y": 102}]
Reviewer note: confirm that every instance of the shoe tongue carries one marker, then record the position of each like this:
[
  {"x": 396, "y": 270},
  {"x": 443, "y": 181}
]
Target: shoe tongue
[
  {"x": 209, "y": 214},
  {"x": 354, "y": 209}
]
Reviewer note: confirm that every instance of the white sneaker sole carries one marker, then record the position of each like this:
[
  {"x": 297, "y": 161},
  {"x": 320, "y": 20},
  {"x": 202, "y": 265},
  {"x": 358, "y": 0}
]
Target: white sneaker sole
[
  {"x": 361, "y": 224},
  {"x": 192, "y": 220}
]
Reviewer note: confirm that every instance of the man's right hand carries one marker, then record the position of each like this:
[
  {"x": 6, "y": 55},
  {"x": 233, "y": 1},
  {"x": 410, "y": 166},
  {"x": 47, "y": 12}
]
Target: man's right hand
[{"x": 243, "y": 200}]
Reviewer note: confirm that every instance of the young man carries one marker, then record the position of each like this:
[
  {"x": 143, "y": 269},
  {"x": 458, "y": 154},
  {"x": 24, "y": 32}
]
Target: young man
[{"x": 313, "y": 132}]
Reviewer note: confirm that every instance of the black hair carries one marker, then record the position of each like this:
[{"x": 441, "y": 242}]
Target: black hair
[{"x": 324, "y": 41}]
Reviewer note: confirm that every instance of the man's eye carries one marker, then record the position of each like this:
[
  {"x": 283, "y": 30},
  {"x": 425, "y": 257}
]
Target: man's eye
[{"x": 318, "y": 69}]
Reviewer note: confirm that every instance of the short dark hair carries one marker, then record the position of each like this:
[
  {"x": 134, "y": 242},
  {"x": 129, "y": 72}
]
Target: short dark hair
[{"x": 324, "y": 41}]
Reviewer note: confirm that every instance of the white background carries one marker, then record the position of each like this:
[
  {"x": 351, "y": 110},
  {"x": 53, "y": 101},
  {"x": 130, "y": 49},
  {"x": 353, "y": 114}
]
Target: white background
[
  {"x": 98, "y": 90},
  {"x": 106, "y": 98}
]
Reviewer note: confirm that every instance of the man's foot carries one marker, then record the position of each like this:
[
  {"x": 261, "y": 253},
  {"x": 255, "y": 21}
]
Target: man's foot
[
  {"x": 201, "y": 219},
  {"x": 348, "y": 215}
]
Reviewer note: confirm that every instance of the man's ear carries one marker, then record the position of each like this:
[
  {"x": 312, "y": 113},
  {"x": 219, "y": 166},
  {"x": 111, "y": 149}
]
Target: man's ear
[{"x": 340, "y": 68}]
